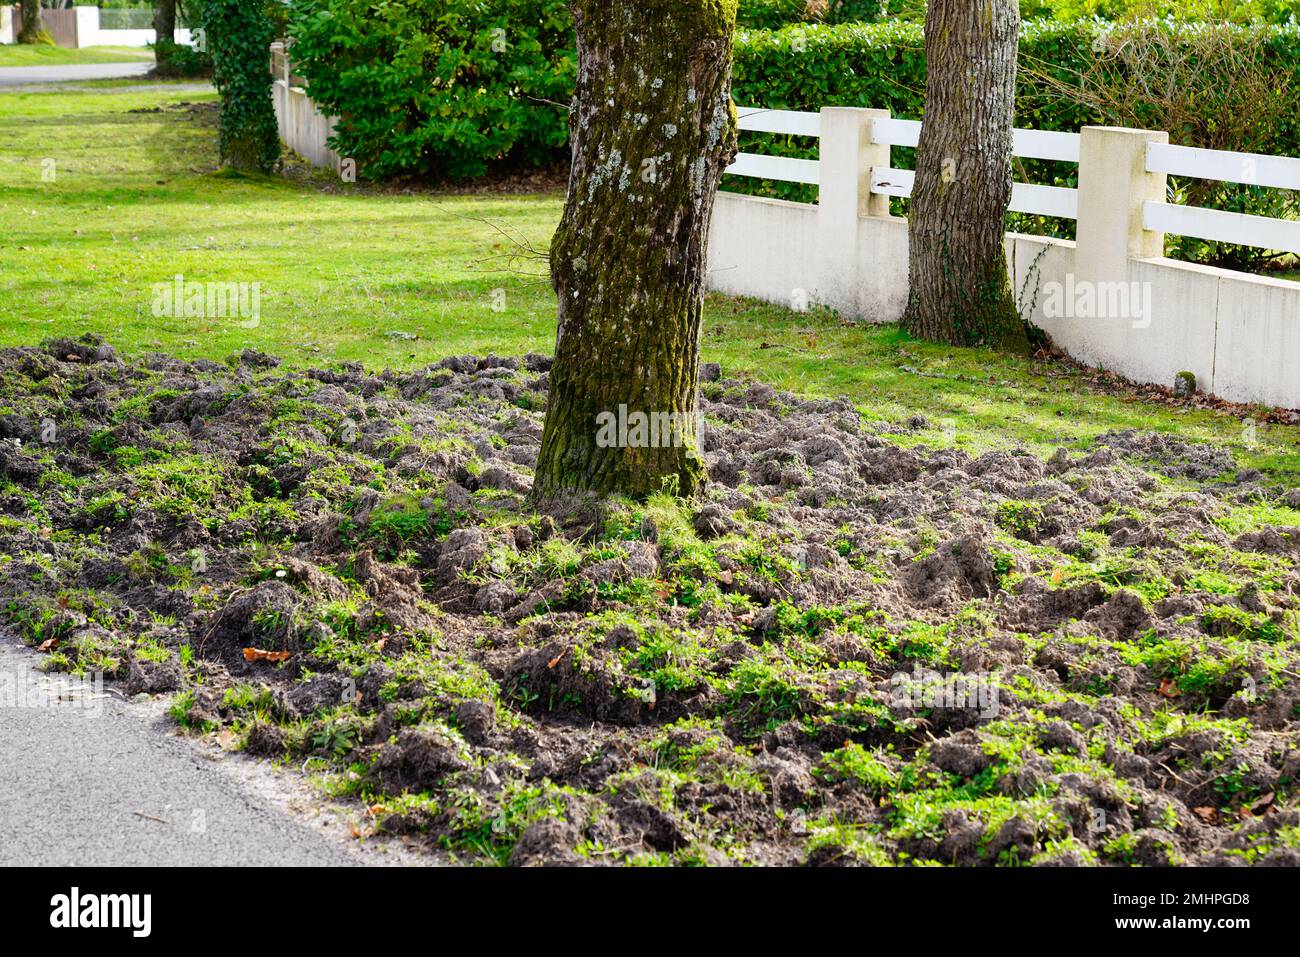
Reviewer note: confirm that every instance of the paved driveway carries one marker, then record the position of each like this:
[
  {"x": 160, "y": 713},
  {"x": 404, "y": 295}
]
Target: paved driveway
[
  {"x": 27, "y": 75},
  {"x": 87, "y": 778}
]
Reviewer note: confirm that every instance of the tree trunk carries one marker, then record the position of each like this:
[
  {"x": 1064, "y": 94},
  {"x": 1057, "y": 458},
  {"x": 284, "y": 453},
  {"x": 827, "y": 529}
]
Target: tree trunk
[
  {"x": 959, "y": 288},
  {"x": 164, "y": 22},
  {"x": 653, "y": 127},
  {"x": 30, "y": 29}
]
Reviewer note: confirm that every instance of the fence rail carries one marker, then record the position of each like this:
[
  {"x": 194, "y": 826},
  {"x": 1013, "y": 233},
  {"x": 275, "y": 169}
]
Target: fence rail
[
  {"x": 1252, "y": 169},
  {"x": 1223, "y": 227},
  {"x": 795, "y": 123},
  {"x": 783, "y": 168},
  {"x": 1278, "y": 172}
]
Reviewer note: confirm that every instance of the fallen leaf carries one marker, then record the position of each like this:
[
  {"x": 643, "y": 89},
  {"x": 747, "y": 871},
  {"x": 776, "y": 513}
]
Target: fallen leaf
[
  {"x": 1264, "y": 801},
  {"x": 1207, "y": 814},
  {"x": 257, "y": 654}
]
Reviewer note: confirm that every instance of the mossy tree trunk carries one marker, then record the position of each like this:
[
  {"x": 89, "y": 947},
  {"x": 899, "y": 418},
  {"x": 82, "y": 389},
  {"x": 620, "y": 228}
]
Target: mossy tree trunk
[
  {"x": 239, "y": 35},
  {"x": 653, "y": 128},
  {"x": 960, "y": 292},
  {"x": 29, "y": 31}
]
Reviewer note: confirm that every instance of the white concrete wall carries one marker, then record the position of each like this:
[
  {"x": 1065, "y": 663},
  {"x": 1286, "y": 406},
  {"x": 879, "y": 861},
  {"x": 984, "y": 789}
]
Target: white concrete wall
[
  {"x": 87, "y": 25},
  {"x": 864, "y": 277},
  {"x": 1238, "y": 333},
  {"x": 131, "y": 38},
  {"x": 90, "y": 35}
]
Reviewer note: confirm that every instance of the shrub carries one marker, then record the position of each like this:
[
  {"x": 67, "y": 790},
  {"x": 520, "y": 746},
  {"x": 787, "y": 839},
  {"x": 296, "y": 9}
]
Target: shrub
[
  {"x": 178, "y": 59},
  {"x": 439, "y": 87},
  {"x": 239, "y": 37}
]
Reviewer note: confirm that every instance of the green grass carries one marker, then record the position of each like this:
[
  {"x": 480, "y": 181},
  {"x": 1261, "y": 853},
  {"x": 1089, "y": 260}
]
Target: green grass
[
  {"x": 351, "y": 272},
  {"x": 41, "y": 54}
]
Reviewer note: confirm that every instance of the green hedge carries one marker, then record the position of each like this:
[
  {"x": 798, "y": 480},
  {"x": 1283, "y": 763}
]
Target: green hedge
[
  {"x": 1276, "y": 12},
  {"x": 431, "y": 87},
  {"x": 775, "y": 14},
  {"x": 883, "y": 65}
]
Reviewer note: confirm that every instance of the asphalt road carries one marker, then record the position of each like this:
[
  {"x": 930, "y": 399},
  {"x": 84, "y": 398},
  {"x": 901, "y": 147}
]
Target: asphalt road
[
  {"x": 26, "y": 75},
  {"x": 87, "y": 778}
]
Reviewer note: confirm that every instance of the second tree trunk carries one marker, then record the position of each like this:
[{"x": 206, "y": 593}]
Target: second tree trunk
[
  {"x": 164, "y": 21},
  {"x": 959, "y": 288}
]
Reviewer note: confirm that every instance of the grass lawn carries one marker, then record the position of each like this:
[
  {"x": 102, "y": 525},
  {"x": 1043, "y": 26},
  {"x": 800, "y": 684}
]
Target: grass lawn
[
  {"x": 353, "y": 272},
  {"x": 41, "y": 54}
]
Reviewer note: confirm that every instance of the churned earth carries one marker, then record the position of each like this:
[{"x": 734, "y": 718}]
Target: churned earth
[{"x": 863, "y": 645}]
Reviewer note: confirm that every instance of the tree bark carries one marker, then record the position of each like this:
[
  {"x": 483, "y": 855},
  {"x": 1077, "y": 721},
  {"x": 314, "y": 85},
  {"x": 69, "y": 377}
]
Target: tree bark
[
  {"x": 30, "y": 29},
  {"x": 164, "y": 21},
  {"x": 653, "y": 128},
  {"x": 960, "y": 292}
]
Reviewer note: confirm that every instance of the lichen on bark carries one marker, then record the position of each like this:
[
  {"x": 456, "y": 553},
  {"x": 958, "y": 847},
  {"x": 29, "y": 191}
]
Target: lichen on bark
[{"x": 653, "y": 128}]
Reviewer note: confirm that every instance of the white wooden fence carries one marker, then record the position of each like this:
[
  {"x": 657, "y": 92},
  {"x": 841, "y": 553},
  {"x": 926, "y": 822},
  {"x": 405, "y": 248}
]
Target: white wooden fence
[{"x": 1238, "y": 333}]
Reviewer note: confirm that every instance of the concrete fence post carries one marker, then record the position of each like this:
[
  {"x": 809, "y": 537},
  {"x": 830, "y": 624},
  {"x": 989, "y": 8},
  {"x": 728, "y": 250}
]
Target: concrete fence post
[
  {"x": 847, "y": 156},
  {"x": 1113, "y": 186},
  {"x": 87, "y": 20}
]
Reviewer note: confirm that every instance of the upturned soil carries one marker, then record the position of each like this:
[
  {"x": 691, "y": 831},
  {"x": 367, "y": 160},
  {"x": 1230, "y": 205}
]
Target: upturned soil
[{"x": 863, "y": 645}]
